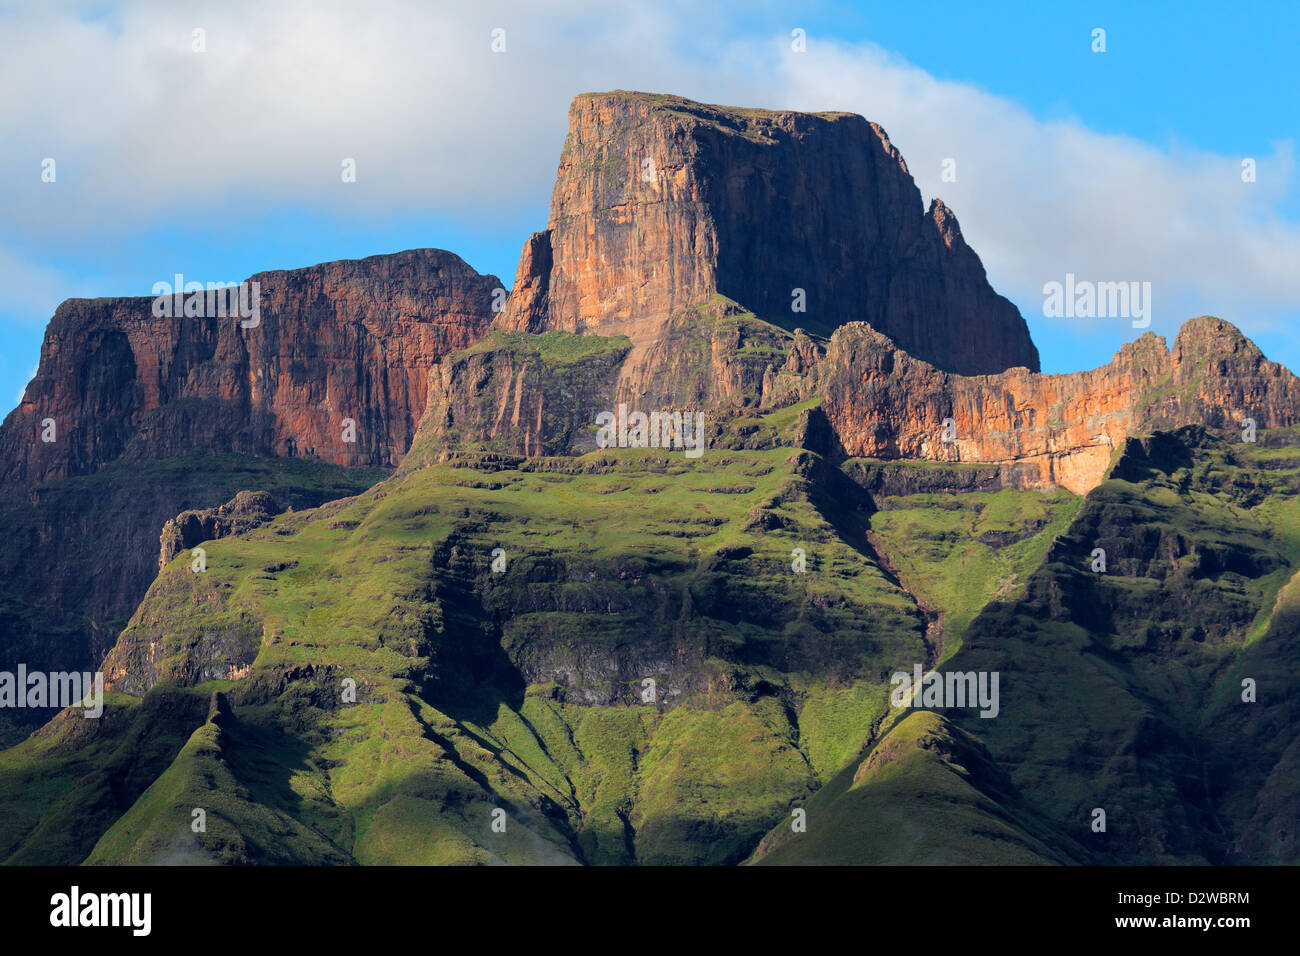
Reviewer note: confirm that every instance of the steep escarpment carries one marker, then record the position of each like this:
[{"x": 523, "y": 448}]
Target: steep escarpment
[
  {"x": 79, "y": 553},
  {"x": 147, "y": 416},
  {"x": 518, "y": 393},
  {"x": 634, "y": 655},
  {"x": 1049, "y": 429},
  {"x": 805, "y": 219},
  {"x": 757, "y": 259},
  {"x": 881, "y": 402},
  {"x": 351, "y": 340},
  {"x": 525, "y": 394}
]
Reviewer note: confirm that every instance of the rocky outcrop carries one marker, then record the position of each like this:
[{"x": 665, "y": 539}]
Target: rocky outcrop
[
  {"x": 529, "y": 303},
  {"x": 1028, "y": 430},
  {"x": 519, "y": 394},
  {"x": 1054, "y": 429},
  {"x": 247, "y": 510},
  {"x": 342, "y": 340},
  {"x": 1218, "y": 377},
  {"x": 807, "y": 219}
]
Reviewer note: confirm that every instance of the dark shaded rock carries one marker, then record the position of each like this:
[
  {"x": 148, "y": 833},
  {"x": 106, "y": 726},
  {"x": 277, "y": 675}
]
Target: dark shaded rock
[
  {"x": 662, "y": 202},
  {"x": 341, "y": 340}
]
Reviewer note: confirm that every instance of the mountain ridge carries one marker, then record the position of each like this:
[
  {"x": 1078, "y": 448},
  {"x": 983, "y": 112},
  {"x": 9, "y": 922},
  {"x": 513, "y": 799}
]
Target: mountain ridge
[
  {"x": 801, "y": 218},
  {"x": 631, "y": 655}
]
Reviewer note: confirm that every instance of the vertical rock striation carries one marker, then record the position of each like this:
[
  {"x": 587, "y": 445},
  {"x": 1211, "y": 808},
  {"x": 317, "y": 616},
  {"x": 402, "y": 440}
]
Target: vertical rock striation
[
  {"x": 352, "y": 339},
  {"x": 661, "y": 203}
]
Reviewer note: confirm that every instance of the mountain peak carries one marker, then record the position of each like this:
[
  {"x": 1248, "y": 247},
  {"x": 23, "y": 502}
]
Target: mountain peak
[
  {"x": 1210, "y": 336},
  {"x": 807, "y": 219}
]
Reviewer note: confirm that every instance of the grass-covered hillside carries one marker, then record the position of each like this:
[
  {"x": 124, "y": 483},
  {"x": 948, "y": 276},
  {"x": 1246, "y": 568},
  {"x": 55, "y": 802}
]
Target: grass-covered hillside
[
  {"x": 77, "y": 554},
  {"x": 1159, "y": 691},
  {"x": 631, "y": 656},
  {"x": 522, "y": 689}
]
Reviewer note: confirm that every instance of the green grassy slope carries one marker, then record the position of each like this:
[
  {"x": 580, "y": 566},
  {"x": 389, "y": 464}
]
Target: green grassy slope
[
  {"x": 61, "y": 608},
  {"x": 520, "y": 689},
  {"x": 1122, "y": 691},
  {"x": 471, "y": 641},
  {"x": 926, "y": 794}
]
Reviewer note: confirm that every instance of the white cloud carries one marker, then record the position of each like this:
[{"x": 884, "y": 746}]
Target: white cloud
[
  {"x": 144, "y": 129},
  {"x": 1038, "y": 199}
]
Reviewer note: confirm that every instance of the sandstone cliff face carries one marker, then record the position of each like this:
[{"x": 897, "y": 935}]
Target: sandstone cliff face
[
  {"x": 522, "y": 394},
  {"x": 352, "y": 339},
  {"x": 1053, "y": 429},
  {"x": 519, "y": 394},
  {"x": 1035, "y": 431},
  {"x": 661, "y": 203},
  {"x": 1056, "y": 429}
]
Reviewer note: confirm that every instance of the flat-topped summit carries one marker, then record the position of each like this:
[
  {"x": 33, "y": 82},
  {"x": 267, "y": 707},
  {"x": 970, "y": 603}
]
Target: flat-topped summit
[
  {"x": 348, "y": 339},
  {"x": 735, "y": 117},
  {"x": 805, "y": 219}
]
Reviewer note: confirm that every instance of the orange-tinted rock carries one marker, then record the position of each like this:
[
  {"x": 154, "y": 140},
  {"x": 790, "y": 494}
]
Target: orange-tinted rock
[
  {"x": 353, "y": 339},
  {"x": 527, "y": 308},
  {"x": 661, "y": 203},
  {"x": 1036, "y": 431},
  {"x": 1056, "y": 429}
]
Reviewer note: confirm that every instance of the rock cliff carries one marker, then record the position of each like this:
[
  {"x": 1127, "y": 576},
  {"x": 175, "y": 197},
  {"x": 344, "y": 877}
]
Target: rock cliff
[
  {"x": 1052, "y": 429},
  {"x": 1037, "y": 431},
  {"x": 807, "y": 219},
  {"x": 342, "y": 340}
]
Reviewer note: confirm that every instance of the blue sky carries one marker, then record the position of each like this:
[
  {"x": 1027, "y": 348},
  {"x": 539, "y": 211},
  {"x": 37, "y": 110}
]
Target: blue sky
[{"x": 1121, "y": 165}]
